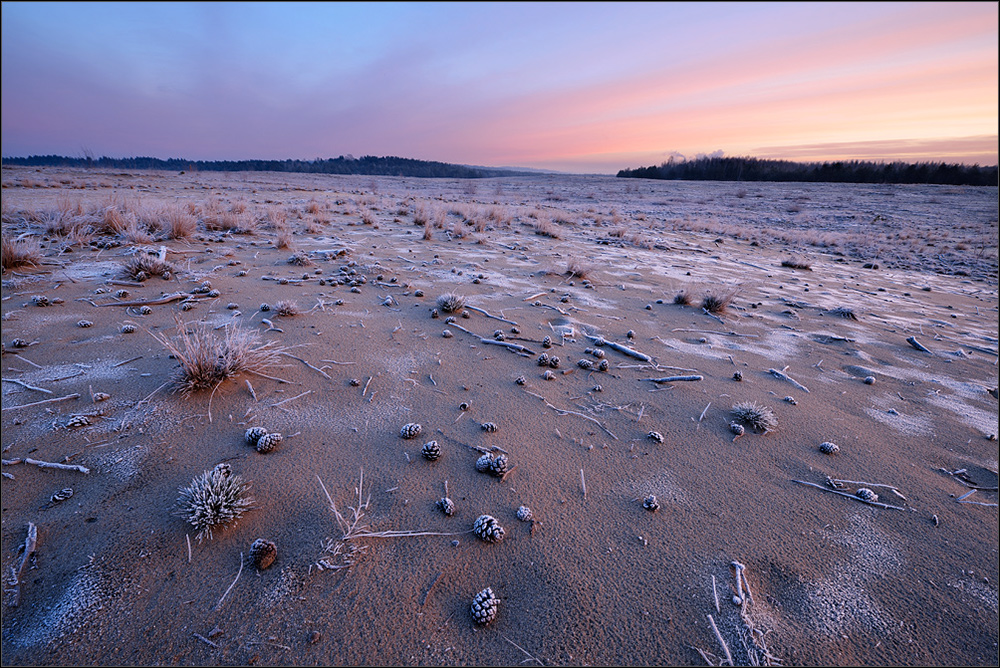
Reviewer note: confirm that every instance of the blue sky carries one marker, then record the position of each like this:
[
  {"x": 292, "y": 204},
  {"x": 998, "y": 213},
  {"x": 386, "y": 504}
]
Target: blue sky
[{"x": 588, "y": 87}]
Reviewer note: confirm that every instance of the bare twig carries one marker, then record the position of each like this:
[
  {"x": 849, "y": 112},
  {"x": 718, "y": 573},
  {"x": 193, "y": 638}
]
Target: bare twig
[
  {"x": 601, "y": 341},
  {"x": 850, "y": 496},
  {"x": 714, "y": 317},
  {"x": 702, "y": 416},
  {"x": 204, "y": 639},
  {"x": 25, "y": 359},
  {"x": 561, "y": 411},
  {"x": 725, "y": 647},
  {"x": 583, "y": 484},
  {"x": 712, "y": 331},
  {"x": 506, "y": 344},
  {"x": 285, "y": 401},
  {"x": 715, "y": 593},
  {"x": 919, "y": 346},
  {"x": 46, "y": 465},
  {"x": 250, "y": 387},
  {"x": 530, "y": 657},
  {"x": 433, "y": 582},
  {"x": 26, "y": 386},
  {"x": 39, "y": 403},
  {"x": 30, "y": 544},
  {"x": 153, "y": 302},
  {"x": 218, "y": 606},
  {"x": 673, "y": 379},
  {"x": 490, "y": 315},
  {"x": 321, "y": 372},
  {"x": 780, "y": 375}
]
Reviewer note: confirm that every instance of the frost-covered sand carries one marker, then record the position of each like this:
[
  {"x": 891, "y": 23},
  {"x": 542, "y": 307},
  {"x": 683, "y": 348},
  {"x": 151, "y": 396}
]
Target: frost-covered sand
[{"x": 596, "y": 579}]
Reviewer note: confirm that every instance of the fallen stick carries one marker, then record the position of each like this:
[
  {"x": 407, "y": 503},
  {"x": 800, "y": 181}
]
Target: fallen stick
[
  {"x": 26, "y": 386},
  {"x": 152, "y": 302},
  {"x": 285, "y": 401},
  {"x": 583, "y": 484},
  {"x": 850, "y": 496},
  {"x": 864, "y": 484},
  {"x": 530, "y": 657},
  {"x": 714, "y": 317},
  {"x": 250, "y": 387},
  {"x": 321, "y": 372},
  {"x": 715, "y": 593},
  {"x": 916, "y": 344},
  {"x": 702, "y": 416},
  {"x": 490, "y": 315},
  {"x": 601, "y": 341},
  {"x": 204, "y": 639},
  {"x": 725, "y": 648},
  {"x": 561, "y": 411},
  {"x": 434, "y": 582},
  {"x": 25, "y": 359},
  {"x": 712, "y": 331},
  {"x": 30, "y": 543},
  {"x": 505, "y": 344},
  {"x": 672, "y": 379},
  {"x": 780, "y": 375},
  {"x": 218, "y": 606},
  {"x": 966, "y": 495},
  {"x": 39, "y": 403},
  {"x": 46, "y": 465}
]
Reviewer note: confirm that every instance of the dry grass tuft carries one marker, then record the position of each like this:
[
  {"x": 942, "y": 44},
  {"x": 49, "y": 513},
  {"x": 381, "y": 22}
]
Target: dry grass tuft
[
  {"x": 19, "y": 253},
  {"x": 843, "y": 312},
  {"x": 207, "y": 360},
  {"x": 284, "y": 238},
  {"x": 286, "y": 308},
  {"x": 178, "y": 224},
  {"x": 759, "y": 417},
  {"x": 683, "y": 298},
  {"x": 718, "y": 303},
  {"x": 215, "y": 498},
  {"x": 141, "y": 266},
  {"x": 450, "y": 302},
  {"x": 796, "y": 264},
  {"x": 577, "y": 269}
]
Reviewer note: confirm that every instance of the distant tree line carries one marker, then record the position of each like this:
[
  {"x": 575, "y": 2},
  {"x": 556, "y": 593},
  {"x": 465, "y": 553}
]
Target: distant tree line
[
  {"x": 367, "y": 165},
  {"x": 841, "y": 171}
]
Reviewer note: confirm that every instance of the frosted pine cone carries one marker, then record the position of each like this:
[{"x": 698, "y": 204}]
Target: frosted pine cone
[
  {"x": 84, "y": 323},
  {"x": 484, "y": 606},
  {"x": 78, "y": 421},
  {"x": 488, "y": 427},
  {"x": 487, "y": 528},
  {"x": 585, "y": 364},
  {"x": 554, "y": 362},
  {"x": 656, "y": 436},
  {"x": 651, "y": 504},
  {"x": 431, "y": 450},
  {"x": 828, "y": 448},
  {"x": 603, "y": 365},
  {"x": 546, "y": 342},
  {"x": 866, "y": 494},
  {"x": 498, "y": 466},
  {"x": 263, "y": 553},
  {"x": 447, "y": 506},
  {"x": 737, "y": 428},
  {"x": 543, "y": 359},
  {"x": 410, "y": 430},
  {"x": 40, "y": 300},
  {"x": 128, "y": 328},
  {"x": 254, "y": 434},
  {"x": 524, "y": 514},
  {"x": 268, "y": 442},
  {"x": 485, "y": 463}
]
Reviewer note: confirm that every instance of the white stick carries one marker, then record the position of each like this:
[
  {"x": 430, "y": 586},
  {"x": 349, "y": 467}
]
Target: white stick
[
  {"x": 188, "y": 536},
  {"x": 725, "y": 648},
  {"x": 715, "y": 593},
  {"x": 583, "y": 483},
  {"x": 46, "y": 465},
  {"x": 39, "y": 403},
  {"x": 218, "y": 606}
]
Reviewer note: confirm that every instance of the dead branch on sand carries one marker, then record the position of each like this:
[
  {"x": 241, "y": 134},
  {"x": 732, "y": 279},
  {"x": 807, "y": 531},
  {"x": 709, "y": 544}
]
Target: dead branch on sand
[
  {"x": 39, "y": 403},
  {"x": 490, "y": 315},
  {"x": 850, "y": 496},
  {"x": 601, "y": 341},
  {"x": 46, "y": 465},
  {"x": 672, "y": 379},
  {"x": 561, "y": 411},
  {"x": 30, "y": 544},
  {"x": 781, "y": 375},
  {"x": 506, "y": 344},
  {"x": 919, "y": 346}
]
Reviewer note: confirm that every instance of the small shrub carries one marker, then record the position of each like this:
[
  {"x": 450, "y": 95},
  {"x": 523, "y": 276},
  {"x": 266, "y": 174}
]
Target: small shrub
[
  {"x": 716, "y": 303},
  {"x": 284, "y": 238},
  {"x": 450, "y": 302},
  {"x": 759, "y": 417},
  {"x": 683, "y": 298},
  {"x": 144, "y": 265},
  {"x": 300, "y": 260},
  {"x": 577, "y": 269},
  {"x": 179, "y": 224},
  {"x": 796, "y": 264},
  {"x": 286, "y": 308},
  {"x": 207, "y": 360},
  {"x": 216, "y": 498}
]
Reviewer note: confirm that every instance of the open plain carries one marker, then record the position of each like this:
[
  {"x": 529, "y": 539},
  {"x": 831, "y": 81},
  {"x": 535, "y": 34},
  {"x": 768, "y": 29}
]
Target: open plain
[{"x": 864, "y": 316}]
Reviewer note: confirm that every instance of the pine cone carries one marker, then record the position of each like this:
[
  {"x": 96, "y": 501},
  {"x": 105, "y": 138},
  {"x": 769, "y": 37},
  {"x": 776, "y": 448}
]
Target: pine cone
[
  {"x": 554, "y": 362},
  {"x": 488, "y": 427},
  {"x": 866, "y": 494},
  {"x": 268, "y": 442},
  {"x": 543, "y": 359},
  {"x": 485, "y": 463},
  {"x": 828, "y": 448},
  {"x": 524, "y": 514},
  {"x": 447, "y": 506},
  {"x": 263, "y": 553},
  {"x": 410, "y": 430},
  {"x": 487, "y": 528},
  {"x": 585, "y": 364},
  {"x": 254, "y": 434},
  {"x": 603, "y": 365},
  {"x": 431, "y": 450},
  {"x": 737, "y": 428},
  {"x": 484, "y": 606},
  {"x": 656, "y": 436},
  {"x": 498, "y": 466},
  {"x": 651, "y": 504}
]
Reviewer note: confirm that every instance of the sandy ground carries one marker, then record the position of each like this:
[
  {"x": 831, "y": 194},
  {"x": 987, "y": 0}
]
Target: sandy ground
[{"x": 596, "y": 579}]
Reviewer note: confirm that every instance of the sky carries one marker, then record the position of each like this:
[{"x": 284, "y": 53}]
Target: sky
[{"x": 575, "y": 87}]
